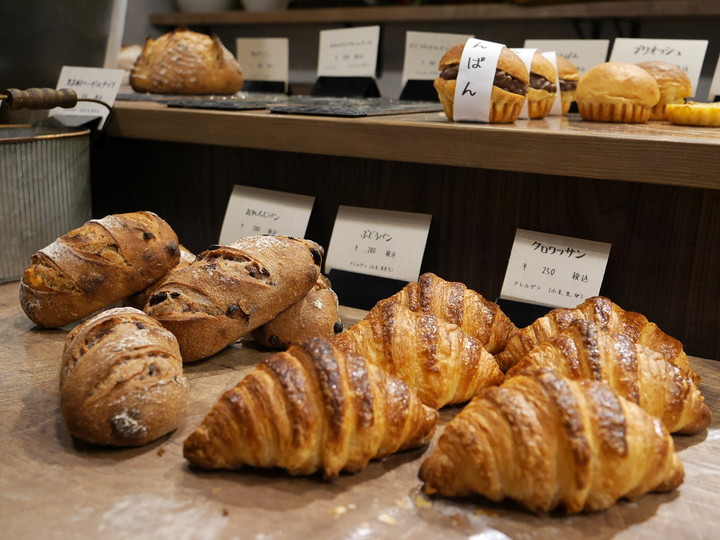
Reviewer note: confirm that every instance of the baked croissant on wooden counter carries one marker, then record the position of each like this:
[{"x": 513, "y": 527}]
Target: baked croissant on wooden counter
[
  {"x": 549, "y": 442},
  {"x": 454, "y": 302},
  {"x": 610, "y": 317},
  {"x": 585, "y": 351},
  {"x": 443, "y": 364},
  {"x": 311, "y": 408}
]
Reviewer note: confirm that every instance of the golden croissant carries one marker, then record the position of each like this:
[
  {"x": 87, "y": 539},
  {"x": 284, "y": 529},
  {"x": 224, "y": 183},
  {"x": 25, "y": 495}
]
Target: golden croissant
[
  {"x": 311, "y": 408},
  {"x": 610, "y": 317},
  {"x": 455, "y": 303},
  {"x": 585, "y": 351},
  {"x": 436, "y": 358},
  {"x": 548, "y": 442}
]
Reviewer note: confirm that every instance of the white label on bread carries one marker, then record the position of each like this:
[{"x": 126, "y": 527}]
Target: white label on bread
[
  {"x": 377, "y": 242},
  {"x": 348, "y": 52},
  {"x": 254, "y": 211},
  {"x": 583, "y": 53},
  {"x": 557, "y": 104},
  {"x": 423, "y": 51},
  {"x": 556, "y": 271},
  {"x": 263, "y": 59},
  {"x": 526, "y": 55},
  {"x": 474, "y": 84},
  {"x": 88, "y": 83},
  {"x": 689, "y": 54}
]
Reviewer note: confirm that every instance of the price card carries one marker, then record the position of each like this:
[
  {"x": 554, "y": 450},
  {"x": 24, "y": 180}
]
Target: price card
[
  {"x": 526, "y": 55},
  {"x": 689, "y": 54},
  {"x": 556, "y": 109},
  {"x": 94, "y": 83},
  {"x": 715, "y": 84},
  {"x": 348, "y": 52},
  {"x": 423, "y": 51},
  {"x": 551, "y": 270},
  {"x": 252, "y": 211},
  {"x": 378, "y": 242},
  {"x": 583, "y": 53},
  {"x": 264, "y": 59},
  {"x": 475, "y": 79}
]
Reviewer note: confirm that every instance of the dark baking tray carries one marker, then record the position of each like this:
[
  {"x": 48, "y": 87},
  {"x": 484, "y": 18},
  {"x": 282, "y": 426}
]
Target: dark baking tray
[{"x": 352, "y": 107}]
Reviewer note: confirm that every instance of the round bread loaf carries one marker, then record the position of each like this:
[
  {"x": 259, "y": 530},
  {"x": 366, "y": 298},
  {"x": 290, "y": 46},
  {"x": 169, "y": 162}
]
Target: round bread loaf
[
  {"x": 617, "y": 92},
  {"x": 121, "y": 380},
  {"x": 673, "y": 83},
  {"x": 543, "y": 87},
  {"x": 511, "y": 73},
  {"x": 568, "y": 77}
]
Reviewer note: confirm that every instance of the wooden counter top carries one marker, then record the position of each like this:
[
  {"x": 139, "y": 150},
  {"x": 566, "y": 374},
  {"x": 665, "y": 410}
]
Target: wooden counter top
[
  {"x": 54, "y": 487},
  {"x": 656, "y": 152}
]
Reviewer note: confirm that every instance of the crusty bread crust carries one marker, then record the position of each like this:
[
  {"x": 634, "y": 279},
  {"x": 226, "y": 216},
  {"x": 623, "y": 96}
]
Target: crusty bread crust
[{"x": 673, "y": 82}]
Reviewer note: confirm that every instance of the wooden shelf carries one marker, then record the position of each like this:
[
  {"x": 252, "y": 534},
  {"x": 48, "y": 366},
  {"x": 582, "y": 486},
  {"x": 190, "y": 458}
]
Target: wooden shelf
[
  {"x": 447, "y": 12},
  {"x": 656, "y": 152}
]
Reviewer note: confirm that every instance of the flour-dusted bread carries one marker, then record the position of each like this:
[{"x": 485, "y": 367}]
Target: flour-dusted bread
[
  {"x": 140, "y": 298},
  {"x": 95, "y": 265},
  {"x": 186, "y": 62},
  {"x": 121, "y": 381},
  {"x": 229, "y": 291}
]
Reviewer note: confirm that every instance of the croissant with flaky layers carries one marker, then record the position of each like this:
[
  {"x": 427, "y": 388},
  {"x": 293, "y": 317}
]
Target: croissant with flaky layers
[
  {"x": 443, "y": 364},
  {"x": 548, "y": 442},
  {"x": 585, "y": 351},
  {"x": 311, "y": 408}
]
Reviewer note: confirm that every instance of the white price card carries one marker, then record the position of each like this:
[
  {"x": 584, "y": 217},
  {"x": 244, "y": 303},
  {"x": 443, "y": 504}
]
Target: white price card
[
  {"x": 583, "y": 53},
  {"x": 349, "y": 52},
  {"x": 689, "y": 54},
  {"x": 556, "y": 109},
  {"x": 378, "y": 242},
  {"x": 253, "y": 211},
  {"x": 715, "y": 84},
  {"x": 423, "y": 51},
  {"x": 87, "y": 82},
  {"x": 551, "y": 270},
  {"x": 264, "y": 59},
  {"x": 475, "y": 78}
]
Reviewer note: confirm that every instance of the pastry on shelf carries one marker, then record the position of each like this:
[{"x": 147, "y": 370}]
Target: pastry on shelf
[
  {"x": 694, "y": 114},
  {"x": 568, "y": 76},
  {"x": 673, "y": 83}
]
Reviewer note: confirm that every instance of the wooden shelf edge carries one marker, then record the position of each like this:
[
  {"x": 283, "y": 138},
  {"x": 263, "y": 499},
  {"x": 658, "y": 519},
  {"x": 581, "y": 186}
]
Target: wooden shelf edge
[{"x": 447, "y": 12}]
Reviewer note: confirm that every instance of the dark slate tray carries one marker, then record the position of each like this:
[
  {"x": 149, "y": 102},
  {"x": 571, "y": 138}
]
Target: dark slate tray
[{"x": 352, "y": 107}]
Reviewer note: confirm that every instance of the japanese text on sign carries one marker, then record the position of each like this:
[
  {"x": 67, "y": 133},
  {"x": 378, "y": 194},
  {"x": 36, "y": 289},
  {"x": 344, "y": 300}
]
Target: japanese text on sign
[{"x": 475, "y": 80}]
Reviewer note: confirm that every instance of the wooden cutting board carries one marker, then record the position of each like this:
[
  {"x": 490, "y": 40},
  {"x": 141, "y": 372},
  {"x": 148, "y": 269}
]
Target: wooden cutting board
[{"x": 54, "y": 487}]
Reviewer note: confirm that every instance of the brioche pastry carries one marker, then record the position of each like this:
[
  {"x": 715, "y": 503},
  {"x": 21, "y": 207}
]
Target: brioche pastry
[
  {"x": 568, "y": 76},
  {"x": 694, "y": 114},
  {"x": 312, "y": 408},
  {"x": 552, "y": 443},
  {"x": 121, "y": 380},
  {"x": 509, "y": 88},
  {"x": 617, "y": 92},
  {"x": 542, "y": 91},
  {"x": 186, "y": 62},
  {"x": 439, "y": 361},
  {"x": 673, "y": 83},
  {"x": 637, "y": 373},
  {"x": 95, "y": 265}
]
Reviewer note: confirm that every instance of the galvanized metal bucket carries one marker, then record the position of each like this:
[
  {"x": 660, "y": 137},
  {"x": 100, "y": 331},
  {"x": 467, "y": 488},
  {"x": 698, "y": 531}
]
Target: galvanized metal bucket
[{"x": 44, "y": 190}]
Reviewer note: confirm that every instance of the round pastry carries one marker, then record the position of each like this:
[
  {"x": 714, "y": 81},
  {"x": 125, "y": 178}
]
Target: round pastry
[
  {"x": 186, "y": 62},
  {"x": 694, "y": 114},
  {"x": 543, "y": 87},
  {"x": 617, "y": 92},
  {"x": 673, "y": 83},
  {"x": 509, "y": 90},
  {"x": 568, "y": 76}
]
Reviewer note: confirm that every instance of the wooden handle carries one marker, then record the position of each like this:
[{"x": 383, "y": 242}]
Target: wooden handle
[{"x": 40, "y": 98}]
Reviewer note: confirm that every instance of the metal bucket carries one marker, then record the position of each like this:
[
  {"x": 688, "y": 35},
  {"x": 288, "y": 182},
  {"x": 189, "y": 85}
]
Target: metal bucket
[{"x": 44, "y": 190}]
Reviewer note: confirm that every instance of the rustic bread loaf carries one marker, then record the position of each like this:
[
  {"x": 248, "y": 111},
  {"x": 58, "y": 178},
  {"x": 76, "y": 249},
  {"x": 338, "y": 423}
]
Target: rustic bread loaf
[
  {"x": 140, "y": 298},
  {"x": 121, "y": 381},
  {"x": 99, "y": 263}
]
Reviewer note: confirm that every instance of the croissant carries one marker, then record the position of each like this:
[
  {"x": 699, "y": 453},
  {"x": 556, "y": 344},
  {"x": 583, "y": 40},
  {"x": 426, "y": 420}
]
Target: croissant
[
  {"x": 455, "y": 303},
  {"x": 549, "y": 442},
  {"x": 436, "y": 358},
  {"x": 311, "y": 408},
  {"x": 585, "y": 351},
  {"x": 231, "y": 290},
  {"x": 610, "y": 317}
]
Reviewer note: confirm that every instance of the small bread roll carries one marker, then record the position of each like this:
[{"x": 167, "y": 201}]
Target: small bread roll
[
  {"x": 568, "y": 76},
  {"x": 673, "y": 83},
  {"x": 617, "y": 92},
  {"x": 543, "y": 87},
  {"x": 186, "y": 62},
  {"x": 121, "y": 380},
  {"x": 509, "y": 88}
]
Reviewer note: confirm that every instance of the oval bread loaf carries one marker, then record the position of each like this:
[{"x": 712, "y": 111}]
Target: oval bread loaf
[
  {"x": 121, "y": 380},
  {"x": 98, "y": 263}
]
